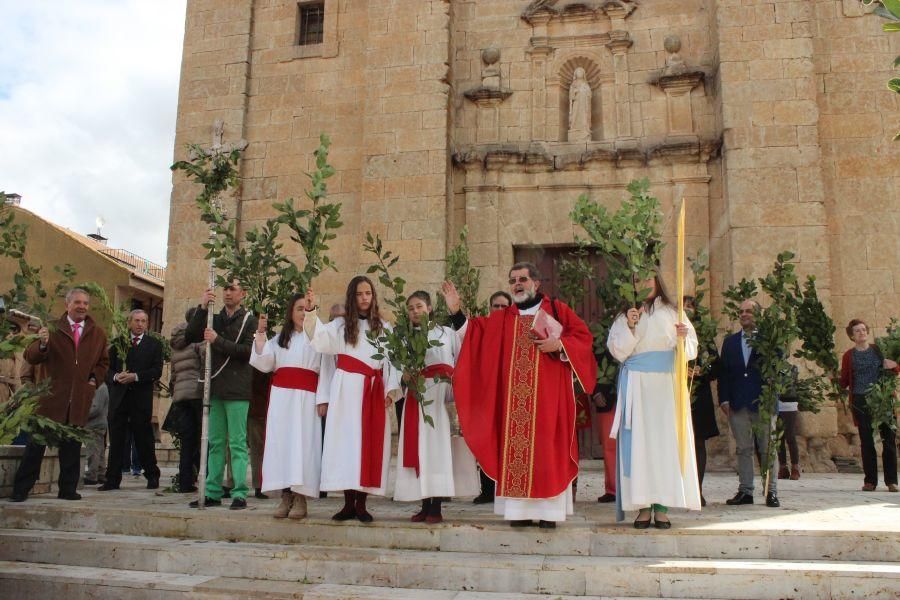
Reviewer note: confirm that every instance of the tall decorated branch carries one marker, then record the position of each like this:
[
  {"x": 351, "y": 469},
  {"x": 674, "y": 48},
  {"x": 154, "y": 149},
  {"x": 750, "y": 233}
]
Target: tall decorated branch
[
  {"x": 28, "y": 302},
  {"x": 216, "y": 170},
  {"x": 406, "y": 344}
]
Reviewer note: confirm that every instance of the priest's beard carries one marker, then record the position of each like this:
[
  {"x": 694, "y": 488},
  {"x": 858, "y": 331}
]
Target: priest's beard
[{"x": 524, "y": 296}]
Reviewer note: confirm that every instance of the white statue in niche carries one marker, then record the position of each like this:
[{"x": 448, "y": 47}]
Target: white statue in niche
[{"x": 579, "y": 108}]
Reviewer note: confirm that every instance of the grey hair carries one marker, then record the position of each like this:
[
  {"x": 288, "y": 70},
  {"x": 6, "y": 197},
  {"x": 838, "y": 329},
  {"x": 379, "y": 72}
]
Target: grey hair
[
  {"x": 76, "y": 290},
  {"x": 532, "y": 269},
  {"x": 136, "y": 311}
]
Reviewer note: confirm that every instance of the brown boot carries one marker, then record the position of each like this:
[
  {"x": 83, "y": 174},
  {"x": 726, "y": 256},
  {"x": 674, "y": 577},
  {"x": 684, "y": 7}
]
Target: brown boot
[
  {"x": 783, "y": 472},
  {"x": 285, "y": 507},
  {"x": 795, "y": 472},
  {"x": 298, "y": 508}
]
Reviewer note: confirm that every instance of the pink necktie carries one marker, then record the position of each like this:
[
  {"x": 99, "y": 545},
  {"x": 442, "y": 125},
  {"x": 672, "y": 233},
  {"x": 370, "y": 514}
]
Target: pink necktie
[{"x": 76, "y": 333}]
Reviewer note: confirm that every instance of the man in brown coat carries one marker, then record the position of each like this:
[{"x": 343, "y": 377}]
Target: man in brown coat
[{"x": 74, "y": 356}]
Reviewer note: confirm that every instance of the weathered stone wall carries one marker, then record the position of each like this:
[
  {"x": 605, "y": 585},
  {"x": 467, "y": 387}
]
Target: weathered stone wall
[{"x": 770, "y": 118}]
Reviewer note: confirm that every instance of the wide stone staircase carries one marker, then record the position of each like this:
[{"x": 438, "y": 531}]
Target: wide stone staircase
[{"x": 133, "y": 544}]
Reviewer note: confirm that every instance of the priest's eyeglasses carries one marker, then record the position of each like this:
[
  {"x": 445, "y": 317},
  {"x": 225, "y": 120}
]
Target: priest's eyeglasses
[{"x": 515, "y": 280}]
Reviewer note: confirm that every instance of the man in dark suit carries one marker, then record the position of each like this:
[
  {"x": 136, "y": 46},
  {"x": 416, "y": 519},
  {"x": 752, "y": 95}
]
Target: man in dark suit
[
  {"x": 740, "y": 386},
  {"x": 131, "y": 402}
]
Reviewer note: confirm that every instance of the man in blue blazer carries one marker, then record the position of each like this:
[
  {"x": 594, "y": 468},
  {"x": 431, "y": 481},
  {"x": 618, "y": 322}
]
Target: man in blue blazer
[{"x": 740, "y": 386}]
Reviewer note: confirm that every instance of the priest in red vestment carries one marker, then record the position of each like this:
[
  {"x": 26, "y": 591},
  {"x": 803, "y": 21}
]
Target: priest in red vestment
[{"x": 514, "y": 392}]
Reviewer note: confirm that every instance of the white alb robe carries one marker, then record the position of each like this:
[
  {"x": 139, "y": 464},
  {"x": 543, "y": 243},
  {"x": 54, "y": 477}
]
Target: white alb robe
[
  {"x": 541, "y": 509},
  {"x": 655, "y": 475},
  {"x": 435, "y": 456},
  {"x": 293, "y": 451},
  {"x": 341, "y": 456}
]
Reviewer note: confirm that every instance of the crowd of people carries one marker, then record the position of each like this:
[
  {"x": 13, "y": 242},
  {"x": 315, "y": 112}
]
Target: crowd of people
[{"x": 308, "y": 408}]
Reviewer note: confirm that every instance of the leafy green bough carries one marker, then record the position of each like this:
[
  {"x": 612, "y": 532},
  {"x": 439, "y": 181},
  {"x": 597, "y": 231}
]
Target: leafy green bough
[
  {"x": 704, "y": 324},
  {"x": 467, "y": 280},
  {"x": 629, "y": 243},
  {"x": 259, "y": 262},
  {"x": 406, "y": 344},
  {"x": 19, "y": 412},
  {"x": 794, "y": 315},
  {"x": 882, "y": 396}
]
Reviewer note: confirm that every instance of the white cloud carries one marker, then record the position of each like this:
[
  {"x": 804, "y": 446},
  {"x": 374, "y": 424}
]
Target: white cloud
[{"x": 88, "y": 98}]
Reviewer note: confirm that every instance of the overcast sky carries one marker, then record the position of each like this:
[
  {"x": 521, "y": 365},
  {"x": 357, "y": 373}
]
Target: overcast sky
[{"x": 88, "y": 97}]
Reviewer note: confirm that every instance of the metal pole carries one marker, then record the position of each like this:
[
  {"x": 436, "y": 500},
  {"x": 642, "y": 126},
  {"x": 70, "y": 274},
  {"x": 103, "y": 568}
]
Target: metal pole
[{"x": 207, "y": 381}]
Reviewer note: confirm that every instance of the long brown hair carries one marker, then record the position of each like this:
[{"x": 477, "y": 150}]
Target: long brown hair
[
  {"x": 660, "y": 293},
  {"x": 351, "y": 312},
  {"x": 287, "y": 328}
]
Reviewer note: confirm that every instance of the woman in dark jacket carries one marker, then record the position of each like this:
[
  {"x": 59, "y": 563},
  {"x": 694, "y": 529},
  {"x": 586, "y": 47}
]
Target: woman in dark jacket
[
  {"x": 861, "y": 366},
  {"x": 187, "y": 387}
]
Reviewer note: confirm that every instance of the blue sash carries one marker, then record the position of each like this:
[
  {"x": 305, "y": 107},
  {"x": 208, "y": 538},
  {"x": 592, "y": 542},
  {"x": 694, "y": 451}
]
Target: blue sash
[{"x": 657, "y": 361}]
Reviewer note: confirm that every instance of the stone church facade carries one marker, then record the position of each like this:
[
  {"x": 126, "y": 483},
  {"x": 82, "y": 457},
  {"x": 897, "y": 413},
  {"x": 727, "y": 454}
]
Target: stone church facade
[{"x": 771, "y": 118}]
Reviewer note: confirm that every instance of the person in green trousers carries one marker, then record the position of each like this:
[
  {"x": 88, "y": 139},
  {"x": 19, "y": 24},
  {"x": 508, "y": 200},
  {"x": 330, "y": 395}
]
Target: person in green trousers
[{"x": 231, "y": 338}]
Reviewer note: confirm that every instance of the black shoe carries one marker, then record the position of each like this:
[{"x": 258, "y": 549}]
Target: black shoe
[
  {"x": 238, "y": 504},
  {"x": 153, "y": 484},
  {"x": 323, "y": 494},
  {"x": 189, "y": 490},
  {"x": 740, "y": 498},
  {"x": 69, "y": 496},
  {"x": 483, "y": 499},
  {"x": 662, "y": 524},
  {"x": 642, "y": 524},
  {"x": 108, "y": 486},
  {"x": 259, "y": 495},
  {"x": 521, "y": 523},
  {"x": 702, "y": 500},
  {"x": 90, "y": 482},
  {"x": 364, "y": 516},
  {"x": 606, "y": 498},
  {"x": 209, "y": 502},
  {"x": 345, "y": 514},
  {"x": 772, "y": 500},
  {"x": 547, "y": 524},
  {"x": 18, "y": 497}
]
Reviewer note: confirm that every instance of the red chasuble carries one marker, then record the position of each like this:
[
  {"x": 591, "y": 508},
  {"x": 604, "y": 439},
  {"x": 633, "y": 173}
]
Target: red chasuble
[{"x": 517, "y": 406}]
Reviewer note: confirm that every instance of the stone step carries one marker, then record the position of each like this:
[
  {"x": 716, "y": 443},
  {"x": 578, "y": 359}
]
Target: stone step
[
  {"x": 21, "y": 580},
  {"x": 459, "y": 571},
  {"x": 573, "y": 538}
]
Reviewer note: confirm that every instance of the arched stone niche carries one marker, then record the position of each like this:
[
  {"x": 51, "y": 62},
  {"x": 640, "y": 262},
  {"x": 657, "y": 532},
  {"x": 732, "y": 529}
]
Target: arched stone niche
[{"x": 601, "y": 97}]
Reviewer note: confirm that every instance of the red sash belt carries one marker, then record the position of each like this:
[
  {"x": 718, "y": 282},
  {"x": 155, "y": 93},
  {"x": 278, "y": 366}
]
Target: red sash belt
[
  {"x": 374, "y": 417},
  {"x": 295, "y": 378},
  {"x": 411, "y": 418}
]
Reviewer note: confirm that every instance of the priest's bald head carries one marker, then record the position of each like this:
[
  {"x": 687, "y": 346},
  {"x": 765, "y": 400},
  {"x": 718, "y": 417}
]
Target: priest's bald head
[{"x": 524, "y": 281}]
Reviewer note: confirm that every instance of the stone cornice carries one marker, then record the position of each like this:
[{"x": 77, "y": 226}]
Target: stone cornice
[
  {"x": 486, "y": 95},
  {"x": 680, "y": 83},
  {"x": 542, "y": 12},
  {"x": 541, "y": 156}
]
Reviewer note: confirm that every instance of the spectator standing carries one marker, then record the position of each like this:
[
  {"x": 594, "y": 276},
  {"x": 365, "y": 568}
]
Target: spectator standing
[{"x": 75, "y": 358}]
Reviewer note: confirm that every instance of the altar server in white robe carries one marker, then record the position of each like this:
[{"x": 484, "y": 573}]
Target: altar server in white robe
[
  {"x": 650, "y": 476},
  {"x": 424, "y": 456},
  {"x": 292, "y": 459},
  {"x": 357, "y": 447}
]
